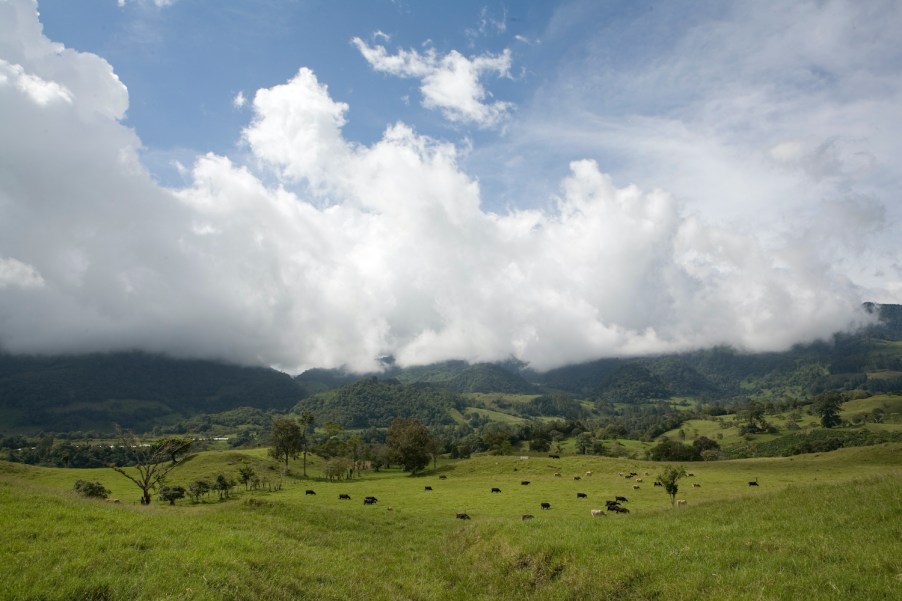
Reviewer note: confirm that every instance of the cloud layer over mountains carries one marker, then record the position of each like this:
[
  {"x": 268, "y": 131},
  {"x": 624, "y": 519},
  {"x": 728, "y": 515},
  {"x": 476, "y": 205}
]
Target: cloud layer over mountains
[{"x": 319, "y": 251}]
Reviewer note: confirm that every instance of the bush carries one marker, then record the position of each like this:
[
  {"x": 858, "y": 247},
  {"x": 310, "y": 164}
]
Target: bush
[{"x": 91, "y": 489}]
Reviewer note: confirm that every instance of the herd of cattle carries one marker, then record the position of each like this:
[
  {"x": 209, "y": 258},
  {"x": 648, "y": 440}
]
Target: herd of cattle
[{"x": 612, "y": 506}]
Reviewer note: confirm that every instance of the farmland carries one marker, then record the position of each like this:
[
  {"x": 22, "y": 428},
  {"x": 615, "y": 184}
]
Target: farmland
[{"x": 823, "y": 526}]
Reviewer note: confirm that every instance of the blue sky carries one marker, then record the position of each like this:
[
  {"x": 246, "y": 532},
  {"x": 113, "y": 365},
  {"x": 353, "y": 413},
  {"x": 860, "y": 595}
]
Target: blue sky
[{"x": 305, "y": 183}]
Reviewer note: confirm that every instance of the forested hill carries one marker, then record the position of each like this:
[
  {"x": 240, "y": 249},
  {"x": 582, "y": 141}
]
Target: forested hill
[
  {"x": 135, "y": 390},
  {"x": 374, "y": 403},
  {"x": 141, "y": 391},
  {"x": 869, "y": 359}
]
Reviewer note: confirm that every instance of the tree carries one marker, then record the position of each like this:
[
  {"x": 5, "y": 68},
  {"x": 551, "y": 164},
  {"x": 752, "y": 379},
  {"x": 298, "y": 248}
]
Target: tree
[
  {"x": 175, "y": 445},
  {"x": 246, "y": 475},
  {"x": 223, "y": 485},
  {"x": 287, "y": 440},
  {"x": 91, "y": 489},
  {"x": 409, "y": 441},
  {"x": 337, "y": 468},
  {"x": 197, "y": 489},
  {"x": 669, "y": 478},
  {"x": 172, "y": 493},
  {"x": 306, "y": 420},
  {"x": 827, "y": 406},
  {"x": 150, "y": 461}
]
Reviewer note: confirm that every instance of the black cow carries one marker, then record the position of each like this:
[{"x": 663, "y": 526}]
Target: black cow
[
  {"x": 545, "y": 505},
  {"x": 309, "y": 492},
  {"x": 443, "y": 477},
  {"x": 582, "y": 495},
  {"x": 622, "y": 499},
  {"x": 658, "y": 483},
  {"x": 370, "y": 500},
  {"x": 428, "y": 488},
  {"x": 494, "y": 489},
  {"x": 527, "y": 516},
  {"x": 554, "y": 456},
  {"x": 576, "y": 477},
  {"x": 463, "y": 516},
  {"x": 753, "y": 482},
  {"x": 344, "y": 497},
  {"x": 524, "y": 483}
]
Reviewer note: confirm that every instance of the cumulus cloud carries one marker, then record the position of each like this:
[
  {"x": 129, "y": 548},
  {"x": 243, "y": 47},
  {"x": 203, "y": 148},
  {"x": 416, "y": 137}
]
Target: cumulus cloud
[
  {"x": 450, "y": 83},
  {"x": 319, "y": 251}
]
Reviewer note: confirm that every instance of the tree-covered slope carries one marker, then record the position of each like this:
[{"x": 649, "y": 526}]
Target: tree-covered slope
[
  {"x": 374, "y": 403},
  {"x": 135, "y": 390}
]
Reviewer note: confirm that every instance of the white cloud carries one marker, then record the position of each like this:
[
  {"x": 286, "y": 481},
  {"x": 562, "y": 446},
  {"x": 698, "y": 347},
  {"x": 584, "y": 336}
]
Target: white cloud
[
  {"x": 324, "y": 252},
  {"x": 17, "y": 273},
  {"x": 449, "y": 83},
  {"x": 239, "y": 100}
]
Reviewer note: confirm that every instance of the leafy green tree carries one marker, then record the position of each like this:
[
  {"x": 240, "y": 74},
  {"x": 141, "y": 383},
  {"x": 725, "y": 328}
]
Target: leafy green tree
[
  {"x": 337, "y": 468},
  {"x": 223, "y": 486},
  {"x": 151, "y": 462},
  {"x": 91, "y": 489},
  {"x": 287, "y": 440},
  {"x": 827, "y": 406},
  {"x": 197, "y": 489},
  {"x": 246, "y": 475},
  {"x": 669, "y": 478},
  {"x": 172, "y": 493},
  {"x": 408, "y": 442}
]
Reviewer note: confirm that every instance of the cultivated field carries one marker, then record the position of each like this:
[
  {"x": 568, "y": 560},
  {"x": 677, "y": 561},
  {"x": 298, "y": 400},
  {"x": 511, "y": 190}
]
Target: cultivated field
[{"x": 825, "y": 526}]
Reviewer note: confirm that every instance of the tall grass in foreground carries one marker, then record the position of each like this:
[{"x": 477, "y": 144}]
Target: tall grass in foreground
[{"x": 805, "y": 540}]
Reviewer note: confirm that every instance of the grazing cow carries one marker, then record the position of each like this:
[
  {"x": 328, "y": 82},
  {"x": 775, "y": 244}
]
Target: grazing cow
[
  {"x": 527, "y": 516},
  {"x": 658, "y": 483},
  {"x": 618, "y": 509},
  {"x": 582, "y": 495},
  {"x": 753, "y": 482},
  {"x": 681, "y": 502},
  {"x": 545, "y": 505},
  {"x": 695, "y": 485},
  {"x": 524, "y": 483},
  {"x": 557, "y": 475},
  {"x": 638, "y": 479},
  {"x": 622, "y": 499},
  {"x": 621, "y": 474},
  {"x": 370, "y": 500},
  {"x": 635, "y": 487},
  {"x": 646, "y": 473},
  {"x": 576, "y": 477},
  {"x": 428, "y": 488},
  {"x": 588, "y": 474},
  {"x": 344, "y": 497},
  {"x": 494, "y": 489},
  {"x": 309, "y": 492},
  {"x": 443, "y": 477},
  {"x": 691, "y": 475},
  {"x": 463, "y": 516},
  {"x": 598, "y": 513},
  {"x": 554, "y": 456}
]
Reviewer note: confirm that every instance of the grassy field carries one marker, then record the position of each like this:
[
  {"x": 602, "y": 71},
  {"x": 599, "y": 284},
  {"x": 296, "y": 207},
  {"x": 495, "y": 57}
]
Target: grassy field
[{"x": 824, "y": 526}]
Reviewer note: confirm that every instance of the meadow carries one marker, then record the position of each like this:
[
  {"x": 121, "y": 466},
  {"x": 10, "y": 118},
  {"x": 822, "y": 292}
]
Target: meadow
[{"x": 821, "y": 526}]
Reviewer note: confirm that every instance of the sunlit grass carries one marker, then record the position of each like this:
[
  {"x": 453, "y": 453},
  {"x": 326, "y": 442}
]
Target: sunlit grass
[{"x": 823, "y": 526}]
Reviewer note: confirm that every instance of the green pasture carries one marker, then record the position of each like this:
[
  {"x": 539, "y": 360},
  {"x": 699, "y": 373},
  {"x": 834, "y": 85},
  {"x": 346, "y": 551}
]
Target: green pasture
[{"x": 824, "y": 526}]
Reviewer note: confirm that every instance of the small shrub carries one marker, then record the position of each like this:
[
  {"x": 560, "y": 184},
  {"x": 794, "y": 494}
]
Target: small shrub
[{"x": 91, "y": 489}]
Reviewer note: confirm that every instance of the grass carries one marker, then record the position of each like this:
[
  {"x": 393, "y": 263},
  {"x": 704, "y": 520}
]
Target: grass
[{"x": 824, "y": 526}]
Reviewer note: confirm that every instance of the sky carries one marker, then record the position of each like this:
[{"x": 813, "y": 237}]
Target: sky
[{"x": 323, "y": 184}]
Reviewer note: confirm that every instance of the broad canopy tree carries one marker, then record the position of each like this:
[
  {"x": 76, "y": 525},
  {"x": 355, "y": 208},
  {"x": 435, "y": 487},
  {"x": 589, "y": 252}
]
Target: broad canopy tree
[
  {"x": 152, "y": 461},
  {"x": 409, "y": 443},
  {"x": 287, "y": 440}
]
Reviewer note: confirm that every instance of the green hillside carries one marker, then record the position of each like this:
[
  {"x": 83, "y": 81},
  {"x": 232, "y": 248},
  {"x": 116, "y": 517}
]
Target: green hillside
[{"x": 823, "y": 526}]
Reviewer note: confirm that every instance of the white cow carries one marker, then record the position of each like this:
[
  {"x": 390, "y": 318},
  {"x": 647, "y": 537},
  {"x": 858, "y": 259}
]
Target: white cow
[{"x": 598, "y": 513}]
